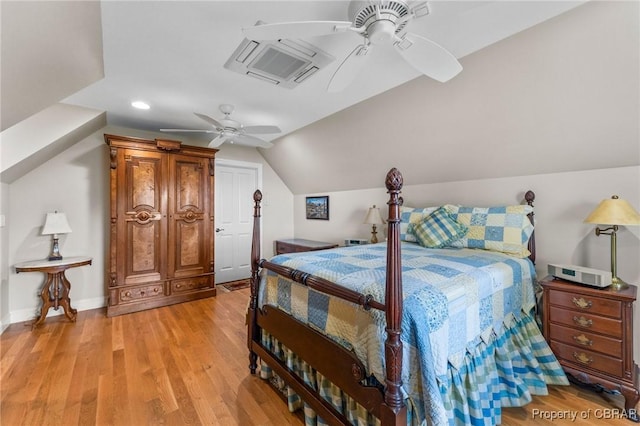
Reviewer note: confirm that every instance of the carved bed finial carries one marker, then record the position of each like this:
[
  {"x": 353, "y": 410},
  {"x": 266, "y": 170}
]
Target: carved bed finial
[
  {"x": 530, "y": 197},
  {"x": 257, "y": 196},
  {"x": 394, "y": 180}
]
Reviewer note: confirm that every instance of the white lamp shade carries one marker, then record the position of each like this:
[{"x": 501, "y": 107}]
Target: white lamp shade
[
  {"x": 373, "y": 216},
  {"x": 614, "y": 211},
  {"x": 56, "y": 223}
]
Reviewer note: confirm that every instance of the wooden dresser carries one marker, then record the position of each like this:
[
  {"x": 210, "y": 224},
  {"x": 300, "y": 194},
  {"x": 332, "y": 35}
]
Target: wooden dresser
[
  {"x": 161, "y": 224},
  {"x": 295, "y": 245},
  {"x": 590, "y": 330}
]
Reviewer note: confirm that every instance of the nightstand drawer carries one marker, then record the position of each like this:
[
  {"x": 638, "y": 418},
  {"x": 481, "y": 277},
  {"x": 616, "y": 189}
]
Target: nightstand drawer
[
  {"x": 586, "y": 358},
  {"x": 583, "y": 321},
  {"x": 585, "y": 303},
  {"x": 586, "y": 340}
]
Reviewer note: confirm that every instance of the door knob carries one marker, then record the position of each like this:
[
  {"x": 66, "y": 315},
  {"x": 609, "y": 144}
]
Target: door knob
[{"x": 219, "y": 229}]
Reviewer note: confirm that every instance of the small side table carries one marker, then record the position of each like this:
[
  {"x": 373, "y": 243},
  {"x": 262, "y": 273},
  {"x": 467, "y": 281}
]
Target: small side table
[{"x": 55, "y": 292}]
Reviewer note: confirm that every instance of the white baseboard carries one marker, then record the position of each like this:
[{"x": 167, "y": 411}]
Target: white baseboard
[
  {"x": 4, "y": 323},
  {"x": 30, "y": 313}
]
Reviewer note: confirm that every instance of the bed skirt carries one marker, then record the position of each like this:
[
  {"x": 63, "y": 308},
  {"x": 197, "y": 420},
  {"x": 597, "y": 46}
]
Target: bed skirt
[{"x": 504, "y": 371}]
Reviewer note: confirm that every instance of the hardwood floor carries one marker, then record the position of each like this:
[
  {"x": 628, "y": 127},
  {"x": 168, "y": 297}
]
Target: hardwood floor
[{"x": 175, "y": 365}]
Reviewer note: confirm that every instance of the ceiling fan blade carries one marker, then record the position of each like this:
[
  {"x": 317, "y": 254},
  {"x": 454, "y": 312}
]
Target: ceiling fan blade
[
  {"x": 217, "y": 141},
  {"x": 349, "y": 68},
  {"x": 188, "y": 130},
  {"x": 289, "y": 30},
  {"x": 428, "y": 57},
  {"x": 249, "y": 141},
  {"x": 210, "y": 120},
  {"x": 261, "y": 130}
]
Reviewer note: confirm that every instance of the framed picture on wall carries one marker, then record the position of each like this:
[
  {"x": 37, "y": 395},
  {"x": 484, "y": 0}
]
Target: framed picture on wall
[{"x": 318, "y": 207}]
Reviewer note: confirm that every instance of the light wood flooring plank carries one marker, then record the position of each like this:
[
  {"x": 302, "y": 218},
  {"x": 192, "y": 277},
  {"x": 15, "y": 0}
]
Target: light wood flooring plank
[{"x": 185, "y": 364}]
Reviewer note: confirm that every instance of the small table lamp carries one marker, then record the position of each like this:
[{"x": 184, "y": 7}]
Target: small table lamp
[
  {"x": 614, "y": 212},
  {"x": 55, "y": 223},
  {"x": 373, "y": 218}
]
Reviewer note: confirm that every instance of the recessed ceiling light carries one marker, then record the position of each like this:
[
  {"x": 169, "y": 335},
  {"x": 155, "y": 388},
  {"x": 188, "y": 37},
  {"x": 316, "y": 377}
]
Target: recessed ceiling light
[{"x": 140, "y": 105}]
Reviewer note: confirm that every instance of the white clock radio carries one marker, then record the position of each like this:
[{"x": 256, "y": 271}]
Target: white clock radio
[
  {"x": 580, "y": 274},
  {"x": 355, "y": 242}
]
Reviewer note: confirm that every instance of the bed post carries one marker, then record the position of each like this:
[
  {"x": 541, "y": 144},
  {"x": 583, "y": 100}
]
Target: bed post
[
  {"x": 529, "y": 198},
  {"x": 393, "y": 411},
  {"x": 252, "y": 319}
]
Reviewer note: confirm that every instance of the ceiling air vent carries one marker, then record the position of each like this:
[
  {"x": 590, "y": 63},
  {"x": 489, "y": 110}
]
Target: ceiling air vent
[{"x": 284, "y": 63}]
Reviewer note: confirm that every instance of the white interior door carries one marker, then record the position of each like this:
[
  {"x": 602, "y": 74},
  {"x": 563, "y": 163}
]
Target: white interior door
[{"x": 235, "y": 184}]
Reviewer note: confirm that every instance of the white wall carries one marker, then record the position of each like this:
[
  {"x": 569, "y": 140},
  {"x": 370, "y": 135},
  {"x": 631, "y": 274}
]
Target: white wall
[
  {"x": 77, "y": 182},
  {"x": 563, "y": 201},
  {"x": 4, "y": 257}
]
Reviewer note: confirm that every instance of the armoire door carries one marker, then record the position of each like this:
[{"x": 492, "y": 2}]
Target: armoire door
[
  {"x": 190, "y": 248},
  {"x": 141, "y": 223}
]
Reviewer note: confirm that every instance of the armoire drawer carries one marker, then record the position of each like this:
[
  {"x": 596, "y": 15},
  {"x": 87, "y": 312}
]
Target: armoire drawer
[
  {"x": 191, "y": 284},
  {"x": 131, "y": 294}
]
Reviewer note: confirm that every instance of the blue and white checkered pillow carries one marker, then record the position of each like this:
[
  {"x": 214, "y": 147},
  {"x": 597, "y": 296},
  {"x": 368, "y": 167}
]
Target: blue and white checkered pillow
[
  {"x": 438, "y": 229},
  {"x": 409, "y": 216},
  {"x": 506, "y": 229}
]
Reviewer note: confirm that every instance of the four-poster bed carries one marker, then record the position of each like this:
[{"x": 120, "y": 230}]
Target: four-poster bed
[{"x": 359, "y": 351}]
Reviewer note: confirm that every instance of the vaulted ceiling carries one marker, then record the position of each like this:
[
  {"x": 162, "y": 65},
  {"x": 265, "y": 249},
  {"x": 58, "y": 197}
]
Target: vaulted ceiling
[{"x": 171, "y": 54}]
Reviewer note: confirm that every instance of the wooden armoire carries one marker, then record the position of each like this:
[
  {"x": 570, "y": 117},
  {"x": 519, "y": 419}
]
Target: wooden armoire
[{"x": 161, "y": 248}]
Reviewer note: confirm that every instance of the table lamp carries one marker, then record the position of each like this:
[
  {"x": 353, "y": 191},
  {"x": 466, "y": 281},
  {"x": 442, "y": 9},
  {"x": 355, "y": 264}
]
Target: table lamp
[
  {"x": 373, "y": 218},
  {"x": 55, "y": 224},
  {"x": 613, "y": 212}
]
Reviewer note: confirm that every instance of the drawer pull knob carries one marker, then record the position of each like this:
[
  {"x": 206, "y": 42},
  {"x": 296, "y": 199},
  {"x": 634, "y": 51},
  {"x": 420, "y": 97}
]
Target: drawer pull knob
[
  {"x": 178, "y": 285},
  {"x": 582, "y": 321},
  {"x": 581, "y": 303},
  {"x": 155, "y": 290},
  {"x": 583, "y": 340},
  {"x": 582, "y": 358},
  {"x": 128, "y": 294}
]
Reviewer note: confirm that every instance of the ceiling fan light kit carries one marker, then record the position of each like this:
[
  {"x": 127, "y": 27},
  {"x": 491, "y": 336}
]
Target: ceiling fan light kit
[
  {"x": 366, "y": 13},
  {"x": 378, "y": 22}
]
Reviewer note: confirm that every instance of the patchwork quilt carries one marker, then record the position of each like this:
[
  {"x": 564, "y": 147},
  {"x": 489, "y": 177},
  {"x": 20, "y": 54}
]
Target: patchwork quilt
[{"x": 454, "y": 298}]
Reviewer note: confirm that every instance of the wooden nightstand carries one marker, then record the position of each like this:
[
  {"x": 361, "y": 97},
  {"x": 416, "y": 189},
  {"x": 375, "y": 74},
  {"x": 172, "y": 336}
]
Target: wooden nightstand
[
  {"x": 296, "y": 245},
  {"x": 590, "y": 330}
]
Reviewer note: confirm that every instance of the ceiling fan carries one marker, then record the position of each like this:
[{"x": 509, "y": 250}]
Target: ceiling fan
[
  {"x": 379, "y": 22},
  {"x": 231, "y": 131}
]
